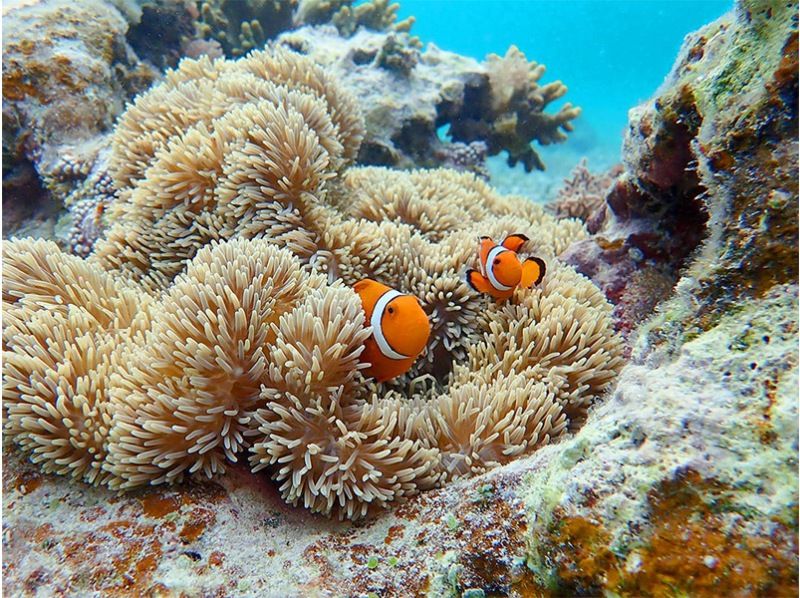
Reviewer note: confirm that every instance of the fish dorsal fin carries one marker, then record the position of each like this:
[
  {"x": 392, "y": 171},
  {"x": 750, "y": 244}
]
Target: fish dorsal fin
[
  {"x": 514, "y": 242},
  {"x": 362, "y": 285}
]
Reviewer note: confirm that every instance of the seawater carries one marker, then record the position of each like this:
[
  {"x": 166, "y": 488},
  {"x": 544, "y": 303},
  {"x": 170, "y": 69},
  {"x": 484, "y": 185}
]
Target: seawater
[{"x": 612, "y": 55}]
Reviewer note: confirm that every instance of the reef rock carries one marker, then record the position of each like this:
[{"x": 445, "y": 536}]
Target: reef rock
[
  {"x": 584, "y": 192},
  {"x": 67, "y": 71},
  {"x": 407, "y": 94}
]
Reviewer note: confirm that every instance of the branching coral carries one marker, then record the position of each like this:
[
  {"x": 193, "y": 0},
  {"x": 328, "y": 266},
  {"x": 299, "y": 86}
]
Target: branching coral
[
  {"x": 216, "y": 319},
  {"x": 516, "y": 116},
  {"x": 242, "y": 25},
  {"x": 408, "y": 95}
]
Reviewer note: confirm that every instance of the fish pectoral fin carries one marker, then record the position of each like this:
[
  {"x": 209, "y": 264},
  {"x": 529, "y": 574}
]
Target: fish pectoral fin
[
  {"x": 478, "y": 281},
  {"x": 533, "y": 270},
  {"x": 514, "y": 242}
]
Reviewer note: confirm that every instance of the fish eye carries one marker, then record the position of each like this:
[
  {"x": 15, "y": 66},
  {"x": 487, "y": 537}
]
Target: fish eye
[
  {"x": 496, "y": 261},
  {"x": 390, "y": 310}
]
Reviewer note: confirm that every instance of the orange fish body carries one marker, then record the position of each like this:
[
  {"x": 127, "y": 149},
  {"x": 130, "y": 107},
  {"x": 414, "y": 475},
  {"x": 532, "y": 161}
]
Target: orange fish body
[
  {"x": 501, "y": 271},
  {"x": 400, "y": 329}
]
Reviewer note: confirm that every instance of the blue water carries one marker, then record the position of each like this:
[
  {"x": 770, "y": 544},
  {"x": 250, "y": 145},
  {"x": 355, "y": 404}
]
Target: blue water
[{"x": 612, "y": 54}]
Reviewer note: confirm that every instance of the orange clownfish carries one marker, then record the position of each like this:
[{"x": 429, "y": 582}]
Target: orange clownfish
[
  {"x": 501, "y": 271},
  {"x": 400, "y": 329}
]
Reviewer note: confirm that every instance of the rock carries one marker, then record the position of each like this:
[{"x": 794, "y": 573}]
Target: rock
[
  {"x": 583, "y": 193},
  {"x": 67, "y": 71},
  {"x": 699, "y": 451}
]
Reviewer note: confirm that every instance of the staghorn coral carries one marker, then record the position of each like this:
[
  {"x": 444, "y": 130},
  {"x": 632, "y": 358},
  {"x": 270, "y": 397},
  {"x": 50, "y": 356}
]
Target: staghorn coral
[
  {"x": 217, "y": 324},
  {"x": 239, "y": 26},
  {"x": 377, "y": 15}
]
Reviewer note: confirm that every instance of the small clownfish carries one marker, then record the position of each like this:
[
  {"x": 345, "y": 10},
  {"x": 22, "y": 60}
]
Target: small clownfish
[
  {"x": 501, "y": 271},
  {"x": 400, "y": 329}
]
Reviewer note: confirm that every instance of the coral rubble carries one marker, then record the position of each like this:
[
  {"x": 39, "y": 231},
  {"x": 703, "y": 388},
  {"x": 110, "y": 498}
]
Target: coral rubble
[{"x": 212, "y": 321}]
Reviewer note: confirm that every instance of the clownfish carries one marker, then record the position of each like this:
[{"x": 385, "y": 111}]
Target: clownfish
[
  {"x": 501, "y": 271},
  {"x": 400, "y": 329}
]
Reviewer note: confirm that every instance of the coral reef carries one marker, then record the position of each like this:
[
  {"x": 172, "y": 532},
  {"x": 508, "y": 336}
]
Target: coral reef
[
  {"x": 699, "y": 451},
  {"x": 87, "y": 225},
  {"x": 26, "y": 203},
  {"x": 160, "y": 30},
  {"x": 584, "y": 193},
  {"x": 683, "y": 482},
  {"x": 408, "y": 94},
  {"x": 198, "y": 344},
  {"x": 68, "y": 69},
  {"x": 58, "y": 55},
  {"x": 710, "y": 165},
  {"x": 239, "y": 26}
]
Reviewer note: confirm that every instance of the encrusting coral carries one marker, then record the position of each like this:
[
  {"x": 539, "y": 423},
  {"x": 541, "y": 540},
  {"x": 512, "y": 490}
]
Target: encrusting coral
[{"x": 216, "y": 318}]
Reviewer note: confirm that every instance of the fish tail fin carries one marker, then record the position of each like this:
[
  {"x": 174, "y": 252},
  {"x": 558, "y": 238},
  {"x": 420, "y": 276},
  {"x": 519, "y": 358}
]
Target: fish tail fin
[
  {"x": 514, "y": 242},
  {"x": 477, "y": 281},
  {"x": 533, "y": 270}
]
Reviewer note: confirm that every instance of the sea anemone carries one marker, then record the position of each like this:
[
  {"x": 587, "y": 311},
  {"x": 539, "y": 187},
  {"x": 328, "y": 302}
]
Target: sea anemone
[{"x": 216, "y": 321}]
